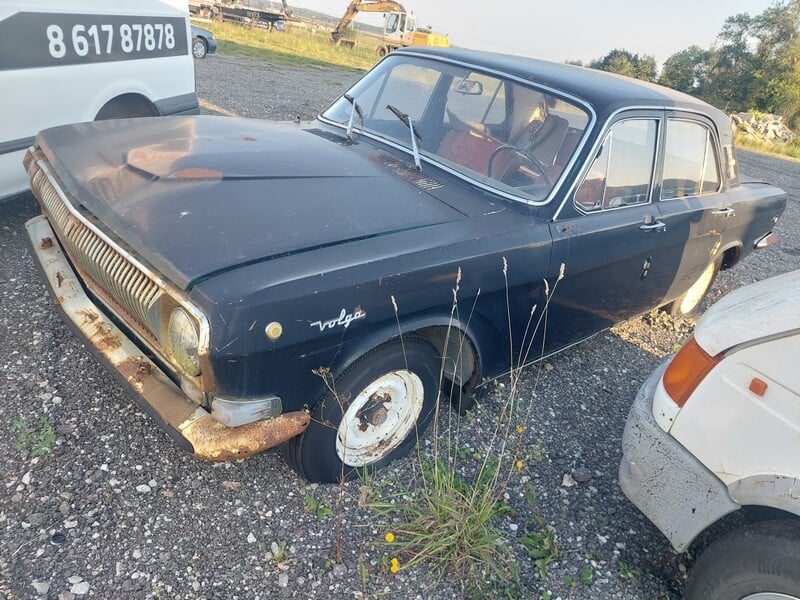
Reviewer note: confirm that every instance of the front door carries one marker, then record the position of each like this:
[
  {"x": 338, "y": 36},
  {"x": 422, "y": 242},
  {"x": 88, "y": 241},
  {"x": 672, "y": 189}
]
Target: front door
[{"x": 606, "y": 233}]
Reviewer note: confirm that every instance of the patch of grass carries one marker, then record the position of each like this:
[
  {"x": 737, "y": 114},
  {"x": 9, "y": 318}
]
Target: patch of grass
[
  {"x": 278, "y": 551},
  {"x": 541, "y": 547},
  {"x": 293, "y": 46},
  {"x": 627, "y": 571},
  {"x": 539, "y": 452},
  {"x": 38, "y": 442},
  {"x": 316, "y": 508},
  {"x": 451, "y": 526},
  {"x": 789, "y": 150},
  {"x": 584, "y": 578}
]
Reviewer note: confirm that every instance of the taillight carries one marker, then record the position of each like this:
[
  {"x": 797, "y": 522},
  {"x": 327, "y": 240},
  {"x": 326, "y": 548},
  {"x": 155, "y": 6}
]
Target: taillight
[{"x": 690, "y": 365}]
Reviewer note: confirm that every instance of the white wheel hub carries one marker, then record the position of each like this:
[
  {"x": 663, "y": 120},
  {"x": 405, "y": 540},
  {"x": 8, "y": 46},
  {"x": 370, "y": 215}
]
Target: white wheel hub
[
  {"x": 695, "y": 294},
  {"x": 380, "y": 418}
]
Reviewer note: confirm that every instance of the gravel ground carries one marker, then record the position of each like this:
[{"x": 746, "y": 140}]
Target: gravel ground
[{"x": 117, "y": 511}]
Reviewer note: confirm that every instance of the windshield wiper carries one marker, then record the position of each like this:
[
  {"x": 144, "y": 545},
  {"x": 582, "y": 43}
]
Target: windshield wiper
[
  {"x": 406, "y": 120},
  {"x": 351, "y": 121}
]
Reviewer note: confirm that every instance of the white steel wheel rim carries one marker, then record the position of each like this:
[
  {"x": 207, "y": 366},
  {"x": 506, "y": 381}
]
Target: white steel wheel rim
[
  {"x": 198, "y": 49},
  {"x": 380, "y": 418},
  {"x": 695, "y": 294}
]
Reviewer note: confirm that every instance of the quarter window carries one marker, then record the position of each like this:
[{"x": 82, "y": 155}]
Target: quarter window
[
  {"x": 622, "y": 171},
  {"x": 690, "y": 164}
]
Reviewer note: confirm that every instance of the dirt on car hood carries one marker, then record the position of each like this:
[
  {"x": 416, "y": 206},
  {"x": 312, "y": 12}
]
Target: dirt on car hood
[{"x": 194, "y": 196}]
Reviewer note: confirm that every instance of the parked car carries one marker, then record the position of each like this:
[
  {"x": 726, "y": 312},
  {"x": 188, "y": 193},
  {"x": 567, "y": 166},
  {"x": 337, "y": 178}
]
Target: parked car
[
  {"x": 716, "y": 429},
  {"x": 203, "y": 42},
  {"x": 256, "y": 282},
  {"x": 101, "y": 60}
]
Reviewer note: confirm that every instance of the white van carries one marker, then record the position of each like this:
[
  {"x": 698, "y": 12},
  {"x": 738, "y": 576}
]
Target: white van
[{"x": 67, "y": 61}]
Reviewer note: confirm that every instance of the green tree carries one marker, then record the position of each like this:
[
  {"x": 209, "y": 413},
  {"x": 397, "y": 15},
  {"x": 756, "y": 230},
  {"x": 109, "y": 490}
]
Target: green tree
[
  {"x": 755, "y": 64},
  {"x": 624, "y": 62},
  {"x": 685, "y": 71}
]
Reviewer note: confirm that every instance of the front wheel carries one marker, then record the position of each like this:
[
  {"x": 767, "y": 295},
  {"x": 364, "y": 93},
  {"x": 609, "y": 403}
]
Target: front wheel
[
  {"x": 757, "y": 562},
  {"x": 373, "y": 414}
]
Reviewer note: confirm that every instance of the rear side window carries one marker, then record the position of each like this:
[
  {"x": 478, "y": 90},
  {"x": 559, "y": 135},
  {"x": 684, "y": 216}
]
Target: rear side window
[
  {"x": 622, "y": 172},
  {"x": 690, "y": 162}
]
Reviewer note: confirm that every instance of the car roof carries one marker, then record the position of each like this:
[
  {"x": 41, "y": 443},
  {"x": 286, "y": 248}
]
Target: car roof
[{"x": 606, "y": 92}]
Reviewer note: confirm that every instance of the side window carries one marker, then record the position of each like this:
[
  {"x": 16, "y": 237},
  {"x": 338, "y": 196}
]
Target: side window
[
  {"x": 690, "y": 162},
  {"x": 392, "y": 22},
  {"x": 623, "y": 168}
]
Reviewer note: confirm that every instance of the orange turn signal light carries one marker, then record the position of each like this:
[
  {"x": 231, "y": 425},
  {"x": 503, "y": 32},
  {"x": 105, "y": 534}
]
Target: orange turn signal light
[
  {"x": 690, "y": 365},
  {"x": 758, "y": 386}
]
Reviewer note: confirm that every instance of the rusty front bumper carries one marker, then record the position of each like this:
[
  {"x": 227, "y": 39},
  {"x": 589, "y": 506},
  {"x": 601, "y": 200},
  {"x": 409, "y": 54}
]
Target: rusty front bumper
[{"x": 189, "y": 424}]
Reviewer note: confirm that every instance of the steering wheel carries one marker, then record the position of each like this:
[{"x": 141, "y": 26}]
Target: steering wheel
[{"x": 530, "y": 160}]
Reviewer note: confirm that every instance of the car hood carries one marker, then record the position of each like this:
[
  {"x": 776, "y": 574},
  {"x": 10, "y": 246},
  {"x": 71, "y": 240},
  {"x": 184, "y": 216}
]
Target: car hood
[
  {"x": 760, "y": 310},
  {"x": 194, "y": 196}
]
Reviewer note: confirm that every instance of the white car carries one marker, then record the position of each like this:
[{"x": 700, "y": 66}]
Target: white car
[
  {"x": 717, "y": 428},
  {"x": 70, "y": 61}
]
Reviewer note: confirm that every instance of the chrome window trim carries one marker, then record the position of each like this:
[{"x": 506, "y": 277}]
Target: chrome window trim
[
  {"x": 657, "y": 148},
  {"x": 651, "y": 107},
  {"x": 166, "y": 287},
  {"x": 459, "y": 174},
  {"x": 715, "y": 142}
]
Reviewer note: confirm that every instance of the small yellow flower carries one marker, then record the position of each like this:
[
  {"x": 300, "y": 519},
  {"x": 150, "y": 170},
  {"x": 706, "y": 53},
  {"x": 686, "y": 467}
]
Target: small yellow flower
[
  {"x": 394, "y": 565},
  {"x": 520, "y": 428},
  {"x": 389, "y": 537},
  {"x": 519, "y": 464}
]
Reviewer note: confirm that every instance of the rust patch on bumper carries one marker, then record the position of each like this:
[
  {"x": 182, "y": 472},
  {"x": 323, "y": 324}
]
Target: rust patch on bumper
[
  {"x": 214, "y": 441},
  {"x": 210, "y": 439}
]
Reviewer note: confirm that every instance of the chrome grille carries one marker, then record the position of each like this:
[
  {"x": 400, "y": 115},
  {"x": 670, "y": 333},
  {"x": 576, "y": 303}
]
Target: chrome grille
[{"x": 118, "y": 278}]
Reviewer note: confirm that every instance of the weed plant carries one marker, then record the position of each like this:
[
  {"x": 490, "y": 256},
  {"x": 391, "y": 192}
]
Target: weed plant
[
  {"x": 450, "y": 520},
  {"x": 37, "y": 442}
]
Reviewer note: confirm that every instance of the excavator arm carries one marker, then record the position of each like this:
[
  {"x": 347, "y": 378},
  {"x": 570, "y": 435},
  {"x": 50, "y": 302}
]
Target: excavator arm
[{"x": 357, "y": 6}]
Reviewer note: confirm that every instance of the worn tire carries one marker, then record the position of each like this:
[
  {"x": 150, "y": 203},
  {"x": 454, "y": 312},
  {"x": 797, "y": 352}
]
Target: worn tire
[
  {"x": 763, "y": 558},
  {"x": 687, "y": 303},
  {"x": 199, "y": 47},
  {"x": 349, "y": 430}
]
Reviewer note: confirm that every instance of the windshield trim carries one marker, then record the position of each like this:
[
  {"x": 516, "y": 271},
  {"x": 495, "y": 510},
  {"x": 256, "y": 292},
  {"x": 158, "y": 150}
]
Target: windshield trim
[{"x": 460, "y": 174}]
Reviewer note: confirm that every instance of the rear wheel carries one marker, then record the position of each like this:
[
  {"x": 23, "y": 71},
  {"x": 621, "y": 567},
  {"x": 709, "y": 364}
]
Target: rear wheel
[
  {"x": 687, "y": 303},
  {"x": 757, "y": 562},
  {"x": 381, "y": 404}
]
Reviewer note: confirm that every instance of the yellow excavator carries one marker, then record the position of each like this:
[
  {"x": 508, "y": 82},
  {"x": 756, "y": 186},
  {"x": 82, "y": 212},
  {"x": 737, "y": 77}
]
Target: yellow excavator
[{"x": 399, "y": 27}]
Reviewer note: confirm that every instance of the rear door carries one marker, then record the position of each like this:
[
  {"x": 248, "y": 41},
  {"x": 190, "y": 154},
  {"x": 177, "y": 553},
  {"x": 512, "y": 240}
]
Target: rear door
[{"x": 690, "y": 204}]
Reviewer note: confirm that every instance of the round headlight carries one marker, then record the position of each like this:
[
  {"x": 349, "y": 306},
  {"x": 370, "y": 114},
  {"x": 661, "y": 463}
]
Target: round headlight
[{"x": 183, "y": 341}]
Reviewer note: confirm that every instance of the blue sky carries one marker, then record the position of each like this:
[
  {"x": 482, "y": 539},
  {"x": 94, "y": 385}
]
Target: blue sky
[{"x": 564, "y": 30}]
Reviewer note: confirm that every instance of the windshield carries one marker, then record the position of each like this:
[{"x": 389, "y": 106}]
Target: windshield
[{"x": 510, "y": 136}]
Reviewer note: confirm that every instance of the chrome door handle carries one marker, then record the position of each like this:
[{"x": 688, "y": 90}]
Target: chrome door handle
[
  {"x": 727, "y": 211},
  {"x": 654, "y": 226}
]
